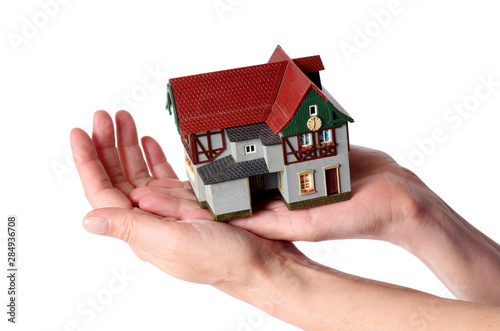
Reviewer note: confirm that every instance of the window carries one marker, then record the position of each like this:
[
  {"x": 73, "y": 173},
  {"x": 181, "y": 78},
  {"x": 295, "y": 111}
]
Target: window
[
  {"x": 280, "y": 181},
  {"x": 206, "y": 146},
  {"x": 249, "y": 149},
  {"x": 325, "y": 136},
  {"x": 306, "y": 139},
  {"x": 313, "y": 110},
  {"x": 306, "y": 180},
  {"x": 309, "y": 146},
  {"x": 189, "y": 167}
]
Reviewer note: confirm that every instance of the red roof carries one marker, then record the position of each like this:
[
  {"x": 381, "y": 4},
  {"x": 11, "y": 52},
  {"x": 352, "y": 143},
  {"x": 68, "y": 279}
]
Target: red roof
[
  {"x": 310, "y": 63},
  {"x": 279, "y": 55},
  {"x": 226, "y": 98},
  {"x": 294, "y": 88},
  {"x": 306, "y": 64},
  {"x": 269, "y": 93}
]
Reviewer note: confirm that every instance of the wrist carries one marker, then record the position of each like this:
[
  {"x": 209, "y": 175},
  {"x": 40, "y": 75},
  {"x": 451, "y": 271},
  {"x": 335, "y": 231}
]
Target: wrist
[
  {"x": 415, "y": 211},
  {"x": 463, "y": 258},
  {"x": 276, "y": 286},
  {"x": 433, "y": 226}
]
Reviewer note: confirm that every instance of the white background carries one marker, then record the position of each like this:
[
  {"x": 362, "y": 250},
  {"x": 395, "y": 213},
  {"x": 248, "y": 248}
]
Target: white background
[{"x": 64, "y": 60}]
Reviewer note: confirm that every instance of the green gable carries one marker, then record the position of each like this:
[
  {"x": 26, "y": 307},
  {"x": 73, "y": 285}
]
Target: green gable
[{"x": 329, "y": 115}]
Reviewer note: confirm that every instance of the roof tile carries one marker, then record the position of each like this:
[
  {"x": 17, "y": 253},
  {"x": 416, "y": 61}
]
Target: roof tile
[
  {"x": 279, "y": 55},
  {"x": 309, "y": 64},
  {"x": 251, "y": 131},
  {"x": 294, "y": 88},
  {"x": 269, "y": 93},
  {"x": 226, "y": 98},
  {"x": 227, "y": 169}
]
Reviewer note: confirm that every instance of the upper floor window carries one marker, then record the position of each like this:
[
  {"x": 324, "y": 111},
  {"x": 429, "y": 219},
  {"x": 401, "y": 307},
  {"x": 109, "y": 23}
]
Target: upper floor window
[
  {"x": 313, "y": 110},
  {"x": 309, "y": 146},
  {"x": 249, "y": 149},
  {"x": 306, "y": 139},
  {"x": 325, "y": 136}
]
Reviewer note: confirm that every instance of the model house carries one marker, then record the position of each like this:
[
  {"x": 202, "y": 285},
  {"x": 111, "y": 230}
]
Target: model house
[{"x": 263, "y": 127}]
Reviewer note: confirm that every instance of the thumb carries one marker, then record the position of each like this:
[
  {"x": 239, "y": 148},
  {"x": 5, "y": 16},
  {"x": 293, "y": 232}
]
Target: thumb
[{"x": 121, "y": 223}]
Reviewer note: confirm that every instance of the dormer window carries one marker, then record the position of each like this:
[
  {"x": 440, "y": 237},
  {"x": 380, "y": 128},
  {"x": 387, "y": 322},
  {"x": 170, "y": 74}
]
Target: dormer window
[
  {"x": 313, "y": 110},
  {"x": 249, "y": 149}
]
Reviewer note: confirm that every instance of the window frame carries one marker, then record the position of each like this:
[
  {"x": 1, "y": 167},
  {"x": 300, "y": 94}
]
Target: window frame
[
  {"x": 321, "y": 136},
  {"x": 190, "y": 168},
  {"x": 302, "y": 137},
  {"x": 280, "y": 181},
  {"x": 315, "y": 108},
  {"x": 302, "y": 176},
  {"x": 250, "y": 149}
]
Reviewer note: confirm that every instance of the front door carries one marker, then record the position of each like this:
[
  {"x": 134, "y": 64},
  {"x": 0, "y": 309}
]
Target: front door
[{"x": 332, "y": 181}]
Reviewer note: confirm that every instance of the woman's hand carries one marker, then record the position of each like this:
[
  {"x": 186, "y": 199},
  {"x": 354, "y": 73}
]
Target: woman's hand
[
  {"x": 185, "y": 242},
  {"x": 385, "y": 201},
  {"x": 388, "y": 203},
  {"x": 146, "y": 206}
]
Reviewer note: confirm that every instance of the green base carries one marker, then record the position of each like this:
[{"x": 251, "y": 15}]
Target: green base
[
  {"x": 230, "y": 216},
  {"x": 291, "y": 206},
  {"x": 225, "y": 217},
  {"x": 202, "y": 204},
  {"x": 318, "y": 201}
]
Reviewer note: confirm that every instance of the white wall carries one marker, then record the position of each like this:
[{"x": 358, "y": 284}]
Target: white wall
[{"x": 62, "y": 60}]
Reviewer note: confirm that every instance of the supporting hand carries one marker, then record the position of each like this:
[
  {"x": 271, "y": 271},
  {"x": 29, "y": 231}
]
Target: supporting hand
[
  {"x": 157, "y": 215},
  {"x": 388, "y": 203},
  {"x": 186, "y": 248}
]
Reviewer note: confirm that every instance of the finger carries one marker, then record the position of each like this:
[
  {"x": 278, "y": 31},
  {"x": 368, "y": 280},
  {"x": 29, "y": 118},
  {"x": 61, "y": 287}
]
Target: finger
[
  {"x": 170, "y": 207},
  {"x": 103, "y": 136},
  {"x": 133, "y": 164},
  {"x": 275, "y": 222},
  {"x": 157, "y": 162},
  {"x": 278, "y": 223},
  {"x": 163, "y": 242},
  {"x": 364, "y": 161},
  {"x": 169, "y": 183},
  {"x": 176, "y": 193},
  {"x": 137, "y": 229},
  {"x": 346, "y": 220},
  {"x": 97, "y": 186}
]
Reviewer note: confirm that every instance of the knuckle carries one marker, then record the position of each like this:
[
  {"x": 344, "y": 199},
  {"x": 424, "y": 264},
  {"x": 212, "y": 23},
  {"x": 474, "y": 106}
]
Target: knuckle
[{"x": 126, "y": 229}]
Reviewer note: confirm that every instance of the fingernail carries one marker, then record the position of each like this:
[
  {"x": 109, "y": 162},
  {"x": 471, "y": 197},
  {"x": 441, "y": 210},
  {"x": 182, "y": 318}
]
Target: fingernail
[{"x": 96, "y": 225}]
